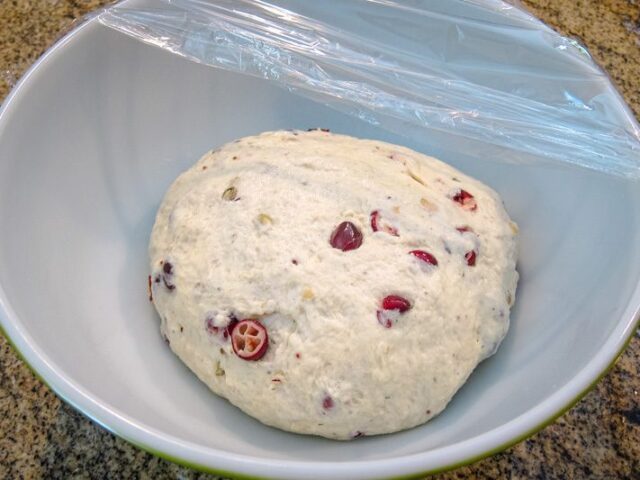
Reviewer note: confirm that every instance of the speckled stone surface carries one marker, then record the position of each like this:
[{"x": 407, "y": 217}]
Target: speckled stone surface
[{"x": 41, "y": 437}]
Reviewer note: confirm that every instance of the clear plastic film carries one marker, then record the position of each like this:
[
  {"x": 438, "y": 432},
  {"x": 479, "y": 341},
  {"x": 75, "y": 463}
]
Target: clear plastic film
[{"x": 477, "y": 69}]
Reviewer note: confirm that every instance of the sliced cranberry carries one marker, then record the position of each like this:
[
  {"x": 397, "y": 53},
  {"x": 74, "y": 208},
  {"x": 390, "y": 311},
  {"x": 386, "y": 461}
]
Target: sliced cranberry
[
  {"x": 396, "y": 302},
  {"x": 167, "y": 268},
  {"x": 378, "y": 224},
  {"x": 426, "y": 257},
  {"x": 465, "y": 199},
  {"x": 249, "y": 339},
  {"x": 464, "y": 229},
  {"x": 470, "y": 256},
  {"x": 327, "y": 403},
  {"x": 346, "y": 236},
  {"x": 357, "y": 434}
]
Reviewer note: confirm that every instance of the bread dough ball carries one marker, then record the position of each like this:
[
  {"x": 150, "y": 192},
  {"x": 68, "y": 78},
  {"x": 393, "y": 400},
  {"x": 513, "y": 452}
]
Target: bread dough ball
[{"x": 374, "y": 279}]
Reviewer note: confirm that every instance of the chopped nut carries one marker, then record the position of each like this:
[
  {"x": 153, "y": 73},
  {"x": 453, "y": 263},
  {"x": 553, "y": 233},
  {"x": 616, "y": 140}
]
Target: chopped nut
[
  {"x": 307, "y": 294},
  {"x": 396, "y": 209},
  {"x": 514, "y": 227},
  {"x": 265, "y": 219},
  {"x": 278, "y": 378},
  {"x": 416, "y": 177},
  {"x": 509, "y": 299},
  {"x": 230, "y": 194},
  {"x": 219, "y": 370},
  {"x": 432, "y": 207}
]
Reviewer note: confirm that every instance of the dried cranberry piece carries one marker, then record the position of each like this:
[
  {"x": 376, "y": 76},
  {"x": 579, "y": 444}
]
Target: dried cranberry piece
[
  {"x": 424, "y": 256},
  {"x": 149, "y": 288},
  {"x": 170, "y": 286},
  {"x": 378, "y": 224},
  {"x": 392, "y": 307},
  {"x": 327, "y": 403},
  {"x": 470, "y": 256},
  {"x": 346, "y": 236},
  {"x": 249, "y": 339},
  {"x": 384, "y": 319},
  {"x": 396, "y": 302},
  {"x": 465, "y": 199},
  {"x": 167, "y": 273}
]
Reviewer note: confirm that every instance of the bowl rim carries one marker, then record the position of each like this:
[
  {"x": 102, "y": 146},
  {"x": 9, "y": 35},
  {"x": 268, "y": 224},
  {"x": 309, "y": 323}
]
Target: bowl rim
[{"x": 241, "y": 466}]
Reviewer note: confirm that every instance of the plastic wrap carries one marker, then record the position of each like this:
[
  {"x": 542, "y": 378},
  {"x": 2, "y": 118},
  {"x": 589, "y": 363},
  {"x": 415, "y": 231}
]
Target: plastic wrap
[{"x": 477, "y": 69}]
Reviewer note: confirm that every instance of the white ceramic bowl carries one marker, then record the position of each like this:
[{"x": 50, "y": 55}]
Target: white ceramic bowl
[{"x": 89, "y": 141}]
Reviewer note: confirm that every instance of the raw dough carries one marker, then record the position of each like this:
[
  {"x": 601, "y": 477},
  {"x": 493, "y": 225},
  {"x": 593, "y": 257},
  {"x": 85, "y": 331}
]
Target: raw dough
[{"x": 245, "y": 233}]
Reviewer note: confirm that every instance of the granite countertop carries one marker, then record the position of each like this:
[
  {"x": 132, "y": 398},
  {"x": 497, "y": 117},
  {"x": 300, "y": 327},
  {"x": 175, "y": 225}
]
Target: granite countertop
[{"x": 40, "y": 436}]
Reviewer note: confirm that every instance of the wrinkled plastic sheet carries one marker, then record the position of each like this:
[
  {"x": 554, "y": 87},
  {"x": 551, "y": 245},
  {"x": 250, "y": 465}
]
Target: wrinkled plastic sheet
[{"x": 483, "y": 70}]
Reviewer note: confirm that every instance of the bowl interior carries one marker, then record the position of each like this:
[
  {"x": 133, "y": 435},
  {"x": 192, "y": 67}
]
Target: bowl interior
[{"x": 101, "y": 131}]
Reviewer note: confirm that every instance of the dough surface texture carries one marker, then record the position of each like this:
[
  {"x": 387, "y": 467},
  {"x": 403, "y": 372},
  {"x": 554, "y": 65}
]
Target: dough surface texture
[{"x": 246, "y": 234}]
